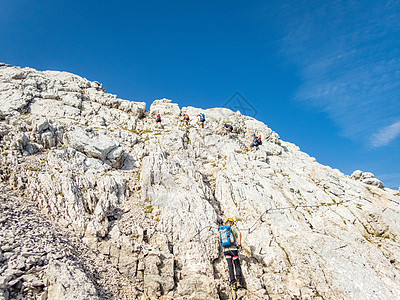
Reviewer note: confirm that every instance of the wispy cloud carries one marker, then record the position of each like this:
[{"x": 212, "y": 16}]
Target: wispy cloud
[
  {"x": 390, "y": 179},
  {"x": 348, "y": 56},
  {"x": 386, "y": 135}
]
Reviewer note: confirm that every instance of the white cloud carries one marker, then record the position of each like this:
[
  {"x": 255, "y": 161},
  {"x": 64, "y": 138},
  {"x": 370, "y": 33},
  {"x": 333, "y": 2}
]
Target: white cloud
[
  {"x": 348, "y": 63},
  {"x": 386, "y": 135}
]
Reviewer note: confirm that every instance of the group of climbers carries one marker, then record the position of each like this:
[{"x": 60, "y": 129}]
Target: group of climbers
[
  {"x": 228, "y": 127},
  {"x": 229, "y": 234},
  {"x": 186, "y": 119},
  {"x": 256, "y": 139}
]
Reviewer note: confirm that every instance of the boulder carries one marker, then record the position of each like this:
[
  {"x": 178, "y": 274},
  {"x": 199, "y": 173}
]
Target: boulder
[
  {"x": 374, "y": 182},
  {"x": 53, "y": 109},
  {"x": 165, "y": 108},
  {"x": 72, "y": 99},
  {"x": 99, "y": 146},
  {"x": 356, "y": 175},
  {"x": 16, "y": 102},
  {"x": 38, "y": 123},
  {"x": 367, "y": 178},
  {"x": 135, "y": 108}
]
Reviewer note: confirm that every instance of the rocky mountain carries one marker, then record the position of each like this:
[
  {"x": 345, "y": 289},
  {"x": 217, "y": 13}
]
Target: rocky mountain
[{"x": 99, "y": 203}]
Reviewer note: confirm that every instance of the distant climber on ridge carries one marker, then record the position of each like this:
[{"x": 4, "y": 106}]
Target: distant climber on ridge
[
  {"x": 228, "y": 128},
  {"x": 255, "y": 142},
  {"x": 202, "y": 119},
  {"x": 259, "y": 141},
  {"x": 186, "y": 119},
  {"x": 158, "y": 121},
  {"x": 231, "y": 240}
]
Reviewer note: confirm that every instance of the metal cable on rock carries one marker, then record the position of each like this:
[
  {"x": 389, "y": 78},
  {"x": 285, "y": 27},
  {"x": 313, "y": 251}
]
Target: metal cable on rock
[
  {"x": 291, "y": 207},
  {"x": 269, "y": 210}
]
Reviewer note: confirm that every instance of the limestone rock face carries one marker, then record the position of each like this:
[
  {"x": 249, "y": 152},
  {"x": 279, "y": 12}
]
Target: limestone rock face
[{"x": 140, "y": 203}]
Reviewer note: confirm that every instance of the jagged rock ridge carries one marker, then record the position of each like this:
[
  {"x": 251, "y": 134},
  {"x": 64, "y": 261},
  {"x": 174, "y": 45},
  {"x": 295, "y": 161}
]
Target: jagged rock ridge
[{"x": 147, "y": 199}]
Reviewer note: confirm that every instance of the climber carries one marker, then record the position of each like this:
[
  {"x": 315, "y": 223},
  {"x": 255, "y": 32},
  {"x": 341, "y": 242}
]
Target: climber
[
  {"x": 231, "y": 240},
  {"x": 158, "y": 121},
  {"x": 202, "y": 119},
  {"x": 259, "y": 141},
  {"x": 228, "y": 128},
  {"x": 255, "y": 141},
  {"x": 186, "y": 119}
]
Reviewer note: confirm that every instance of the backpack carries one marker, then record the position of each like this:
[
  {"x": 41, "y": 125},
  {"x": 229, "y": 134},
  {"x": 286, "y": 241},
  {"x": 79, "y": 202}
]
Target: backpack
[
  {"x": 202, "y": 117},
  {"x": 259, "y": 141},
  {"x": 226, "y": 236}
]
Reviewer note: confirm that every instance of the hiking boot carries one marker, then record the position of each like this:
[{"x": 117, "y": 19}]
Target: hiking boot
[
  {"x": 239, "y": 284},
  {"x": 234, "y": 285}
]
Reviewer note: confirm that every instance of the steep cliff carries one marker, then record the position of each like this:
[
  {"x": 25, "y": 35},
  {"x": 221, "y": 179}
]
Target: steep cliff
[{"x": 144, "y": 201}]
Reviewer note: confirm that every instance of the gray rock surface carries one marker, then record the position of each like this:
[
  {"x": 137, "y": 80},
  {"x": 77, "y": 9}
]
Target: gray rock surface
[
  {"x": 40, "y": 260},
  {"x": 367, "y": 178},
  {"x": 140, "y": 204}
]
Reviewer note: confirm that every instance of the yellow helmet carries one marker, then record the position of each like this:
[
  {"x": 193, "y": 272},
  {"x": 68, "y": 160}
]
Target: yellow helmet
[{"x": 230, "y": 220}]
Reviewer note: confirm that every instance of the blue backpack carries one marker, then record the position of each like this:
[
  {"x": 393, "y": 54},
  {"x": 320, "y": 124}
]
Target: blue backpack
[
  {"x": 226, "y": 236},
  {"x": 202, "y": 117}
]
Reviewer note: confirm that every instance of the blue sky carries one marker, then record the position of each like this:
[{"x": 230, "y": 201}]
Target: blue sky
[{"x": 324, "y": 74}]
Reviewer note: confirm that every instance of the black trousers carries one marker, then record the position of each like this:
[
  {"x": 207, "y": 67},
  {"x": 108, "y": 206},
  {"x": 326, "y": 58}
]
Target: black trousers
[{"x": 232, "y": 257}]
